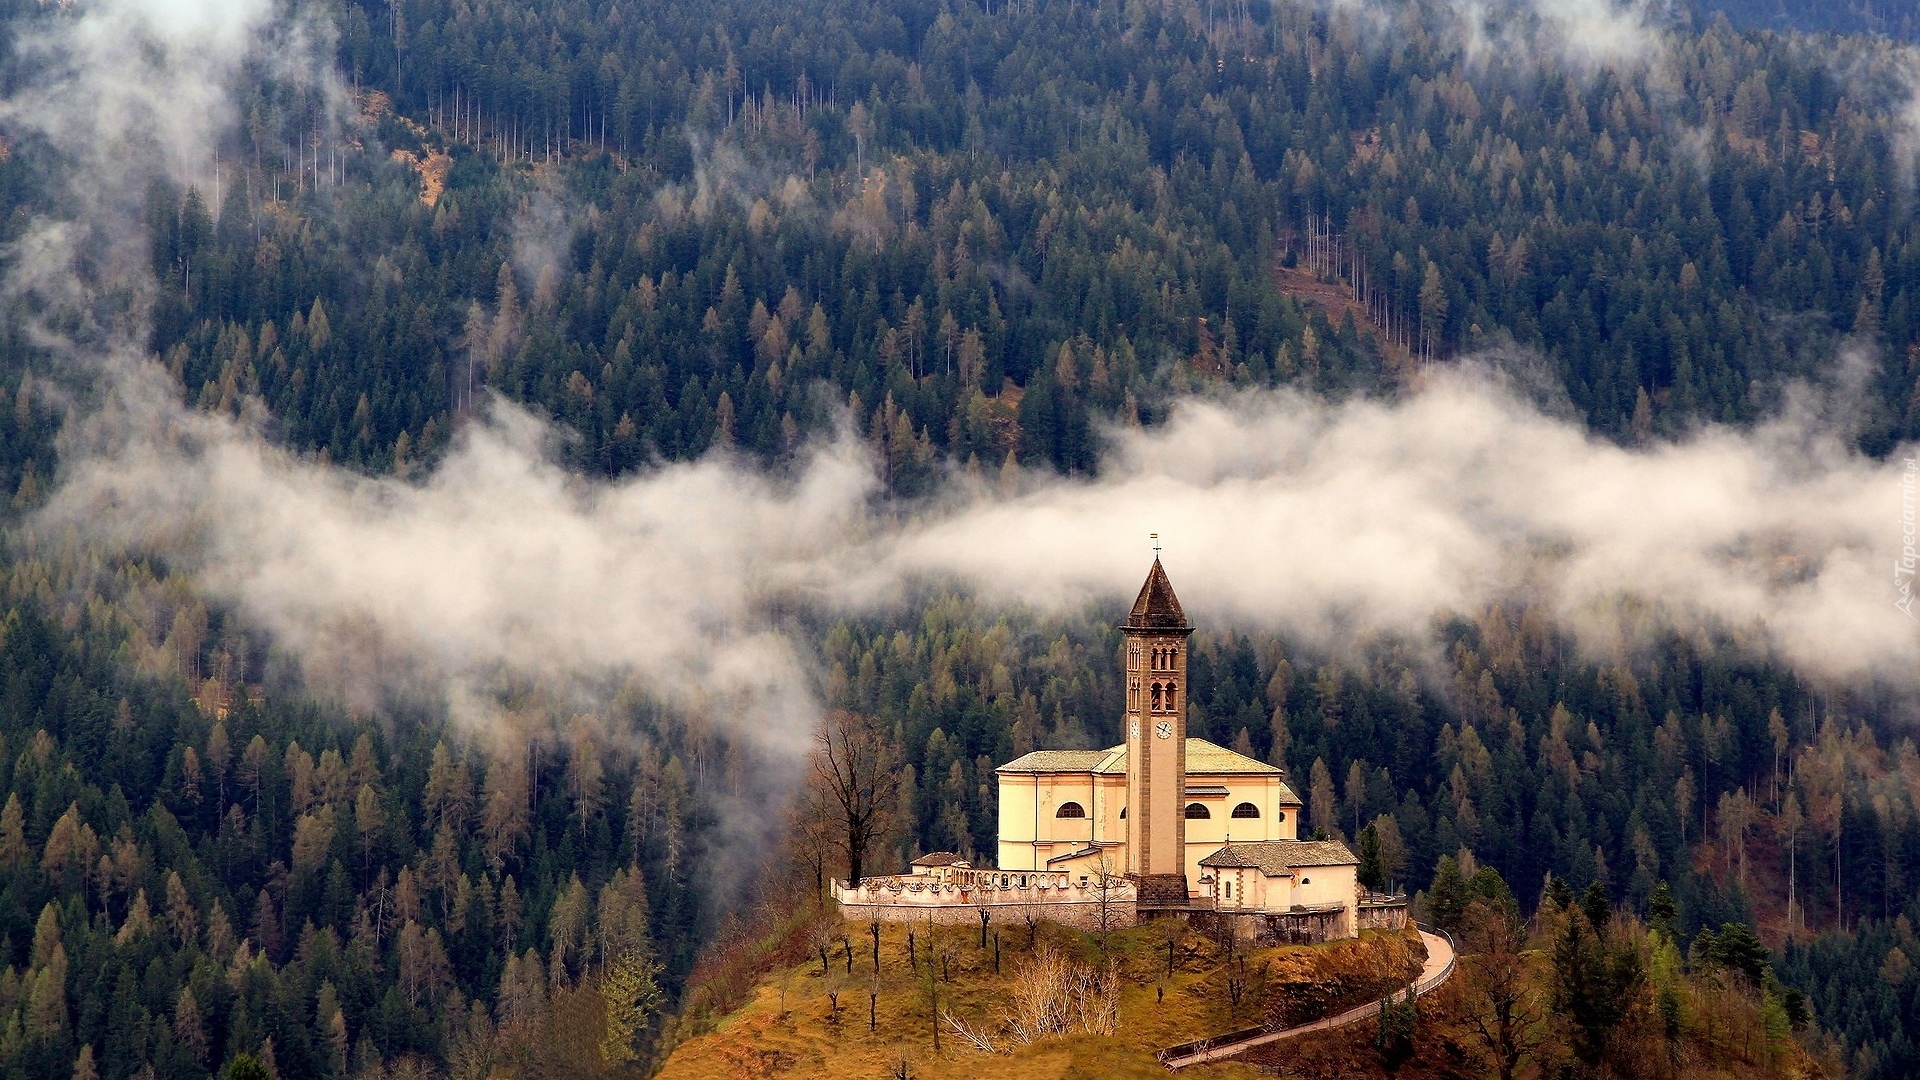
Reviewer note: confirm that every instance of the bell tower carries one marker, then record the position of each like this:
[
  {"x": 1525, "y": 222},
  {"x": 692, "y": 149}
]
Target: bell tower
[{"x": 1156, "y": 634}]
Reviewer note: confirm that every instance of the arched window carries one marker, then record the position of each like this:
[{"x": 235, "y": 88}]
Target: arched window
[
  {"x": 1169, "y": 697},
  {"x": 1156, "y": 697},
  {"x": 1070, "y": 809},
  {"x": 1123, "y": 813},
  {"x": 1197, "y": 812},
  {"x": 1246, "y": 809},
  {"x": 1280, "y": 815}
]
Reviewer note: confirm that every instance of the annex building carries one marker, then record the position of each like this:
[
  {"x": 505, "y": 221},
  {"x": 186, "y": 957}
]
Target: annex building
[{"x": 1162, "y": 823}]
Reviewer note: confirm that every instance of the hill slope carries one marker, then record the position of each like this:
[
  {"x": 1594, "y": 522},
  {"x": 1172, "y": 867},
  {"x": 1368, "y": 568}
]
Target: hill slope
[{"x": 790, "y": 1024}]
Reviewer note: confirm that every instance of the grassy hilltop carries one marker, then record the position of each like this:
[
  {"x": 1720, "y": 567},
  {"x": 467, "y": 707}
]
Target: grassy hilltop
[
  {"x": 788, "y": 1025},
  {"x": 1063, "y": 1003}
]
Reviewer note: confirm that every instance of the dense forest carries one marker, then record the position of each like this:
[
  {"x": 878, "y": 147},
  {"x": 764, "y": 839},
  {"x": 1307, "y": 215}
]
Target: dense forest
[
  {"x": 982, "y": 232},
  {"x": 986, "y": 246},
  {"x": 1848, "y": 17}
]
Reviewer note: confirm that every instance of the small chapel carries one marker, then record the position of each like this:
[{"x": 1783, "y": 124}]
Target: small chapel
[{"x": 1163, "y": 824}]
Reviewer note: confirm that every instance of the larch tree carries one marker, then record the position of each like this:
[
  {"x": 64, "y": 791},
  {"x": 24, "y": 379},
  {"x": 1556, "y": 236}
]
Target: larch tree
[
  {"x": 1320, "y": 800},
  {"x": 1502, "y": 1007}
]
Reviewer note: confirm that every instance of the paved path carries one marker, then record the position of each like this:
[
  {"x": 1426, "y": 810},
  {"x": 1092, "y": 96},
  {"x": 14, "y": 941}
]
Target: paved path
[{"x": 1435, "y": 971}]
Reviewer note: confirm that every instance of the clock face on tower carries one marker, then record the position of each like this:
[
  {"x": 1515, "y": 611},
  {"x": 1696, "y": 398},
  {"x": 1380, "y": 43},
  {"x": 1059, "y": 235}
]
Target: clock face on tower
[{"x": 1164, "y": 729}]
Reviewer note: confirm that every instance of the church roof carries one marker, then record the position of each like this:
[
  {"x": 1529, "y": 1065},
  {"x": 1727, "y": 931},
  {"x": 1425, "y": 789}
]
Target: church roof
[
  {"x": 1061, "y": 761},
  {"x": 1157, "y": 608},
  {"x": 1279, "y": 858},
  {"x": 1203, "y": 759}
]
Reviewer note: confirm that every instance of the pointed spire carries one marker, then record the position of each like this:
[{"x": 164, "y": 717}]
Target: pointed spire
[{"x": 1157, "y": 608}]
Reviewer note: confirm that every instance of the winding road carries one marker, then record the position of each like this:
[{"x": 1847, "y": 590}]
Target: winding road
[{"x": 1435, "y": 971}]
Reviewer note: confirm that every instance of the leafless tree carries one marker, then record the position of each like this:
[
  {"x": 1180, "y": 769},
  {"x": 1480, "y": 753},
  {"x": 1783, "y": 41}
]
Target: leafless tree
[
  {"x": 1108, "y": 883},
  {"x": 859, "y": 767},
  {"x": 979, "y": 1039},
  {"x": 1031, "y": 913},
  {"x": 1053, "y": 993},
  {"x": 985, "y": 912},
  {"x": 819, "y": 940},
  {"x": 836, "y": 985},
  {"x": 811, "y": 833},
  {"x": 946, "y": 949}
]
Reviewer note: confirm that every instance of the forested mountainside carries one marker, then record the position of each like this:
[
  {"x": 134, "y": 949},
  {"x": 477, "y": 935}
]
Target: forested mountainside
[
  {"x": 997, "y": 228},
  {"x": 982, "y": 233},
  {"x": 1848, "y": 17}
]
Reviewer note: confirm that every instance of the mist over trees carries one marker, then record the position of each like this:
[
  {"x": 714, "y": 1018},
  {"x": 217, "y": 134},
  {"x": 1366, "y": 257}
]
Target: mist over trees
[{"x": 981, "y": 232}]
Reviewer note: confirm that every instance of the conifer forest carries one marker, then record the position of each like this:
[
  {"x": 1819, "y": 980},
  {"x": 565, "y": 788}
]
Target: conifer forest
[{"x": 456, "y": 451}]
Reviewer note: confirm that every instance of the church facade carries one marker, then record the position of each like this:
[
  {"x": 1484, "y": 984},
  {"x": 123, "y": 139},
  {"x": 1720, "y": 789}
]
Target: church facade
[
  {"x": 1069, "y": 809},
  {"x": 1165, "y": 822}
]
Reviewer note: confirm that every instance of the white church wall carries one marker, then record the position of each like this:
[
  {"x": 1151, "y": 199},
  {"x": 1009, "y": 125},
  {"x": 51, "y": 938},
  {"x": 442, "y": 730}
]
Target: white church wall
[
  {"x": 1071, "y": 899},
  {"x": 1317, "y": 885},
  {"x": 1031, "y": 830}
]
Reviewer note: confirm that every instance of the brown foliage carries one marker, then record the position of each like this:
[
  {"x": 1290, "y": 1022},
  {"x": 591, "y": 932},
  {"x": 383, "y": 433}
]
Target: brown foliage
[{"x": 1501, "y": 1002}]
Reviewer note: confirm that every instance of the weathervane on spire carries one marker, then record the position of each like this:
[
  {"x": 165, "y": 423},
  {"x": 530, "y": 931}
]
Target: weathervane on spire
[{"x": 1156, "y": 545}]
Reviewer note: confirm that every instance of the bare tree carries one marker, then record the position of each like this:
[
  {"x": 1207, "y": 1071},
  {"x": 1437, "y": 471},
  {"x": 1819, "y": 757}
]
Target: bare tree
[
  {"x": 859, "y": 767},
  {"x": 1108, "y": 882},
  {"x": 811, "y": 833},
  {"x": 946, "y": 949},
  {"x": 1054, "y": 993},
  {"x": 836, "y": 984},
  {"x": 978, "y": 1038},
  {"x": 981, "y": 909},
  {"x": 1030, "y": 913},
  {"x": 1502, "y": 1008}
]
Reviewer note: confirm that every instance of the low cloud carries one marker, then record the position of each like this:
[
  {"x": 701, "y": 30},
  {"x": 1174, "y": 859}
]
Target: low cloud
[
  {"x": 123, "y": 92},
  {"x": 1583, "y": 36},
  {"x": 1886, "y": 76},
  {"x": 499, "y": 565},
  {"x": 1329, "y": 522},
  {"x": 1324, "y": 520},
  {"x": 140, "y": 78},
  {"x": 730, "y": 176}
]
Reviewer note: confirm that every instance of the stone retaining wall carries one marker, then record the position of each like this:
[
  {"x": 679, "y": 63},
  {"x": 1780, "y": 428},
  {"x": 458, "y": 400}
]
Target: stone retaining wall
[{"x": 1386, "y": 916}]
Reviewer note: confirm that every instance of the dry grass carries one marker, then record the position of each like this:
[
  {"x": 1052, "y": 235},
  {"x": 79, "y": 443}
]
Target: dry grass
[{"x": 791, "y": 1027}]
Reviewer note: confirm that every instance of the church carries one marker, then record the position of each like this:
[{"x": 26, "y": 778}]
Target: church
[{"x": 1167, "y": 823}]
